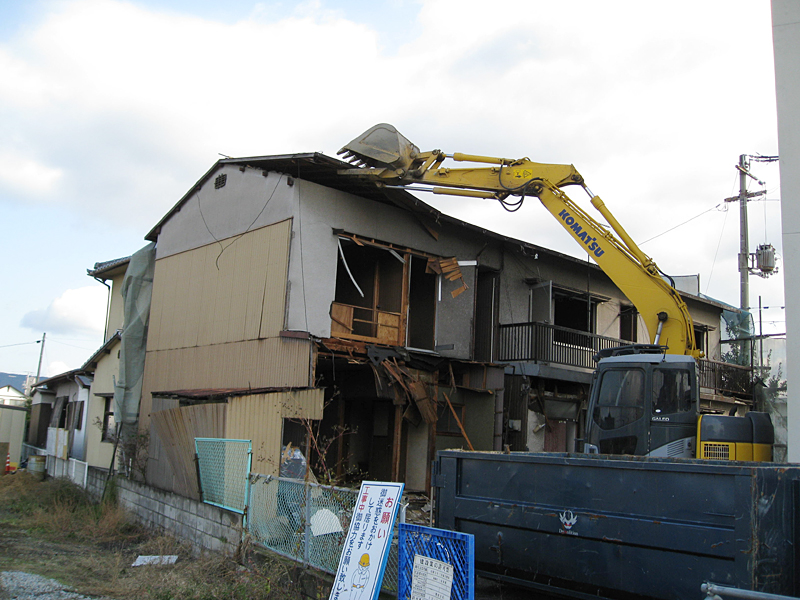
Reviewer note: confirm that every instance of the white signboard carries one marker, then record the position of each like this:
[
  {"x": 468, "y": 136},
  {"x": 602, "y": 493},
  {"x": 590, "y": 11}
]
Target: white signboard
[
  {"x": 431, "y": 579},
  {"x": 366, "y": 547}
]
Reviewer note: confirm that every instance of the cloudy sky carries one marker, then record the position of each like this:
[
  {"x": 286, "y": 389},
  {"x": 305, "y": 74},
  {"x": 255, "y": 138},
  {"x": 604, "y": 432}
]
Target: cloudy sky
[{"x": 111, "y": 110}]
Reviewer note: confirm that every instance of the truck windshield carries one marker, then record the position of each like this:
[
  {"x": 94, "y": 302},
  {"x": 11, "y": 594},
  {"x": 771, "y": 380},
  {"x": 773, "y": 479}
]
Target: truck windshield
[{"x": 620, "y": 400}]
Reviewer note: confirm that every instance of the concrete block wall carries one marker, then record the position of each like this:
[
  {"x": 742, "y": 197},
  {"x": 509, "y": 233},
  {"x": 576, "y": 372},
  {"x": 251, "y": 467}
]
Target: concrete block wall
[{"x": 204, "y": 526}]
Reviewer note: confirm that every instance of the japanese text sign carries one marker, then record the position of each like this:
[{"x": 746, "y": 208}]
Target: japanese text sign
[{"x": 369, "y": 539}]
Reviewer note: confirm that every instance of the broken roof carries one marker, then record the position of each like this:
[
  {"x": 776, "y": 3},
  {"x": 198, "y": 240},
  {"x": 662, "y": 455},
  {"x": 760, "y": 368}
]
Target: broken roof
[{"x": 324, "y": 170}]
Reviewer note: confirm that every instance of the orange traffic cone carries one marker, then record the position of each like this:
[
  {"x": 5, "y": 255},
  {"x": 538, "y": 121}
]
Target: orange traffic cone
[{"x": 8, "y": 463}]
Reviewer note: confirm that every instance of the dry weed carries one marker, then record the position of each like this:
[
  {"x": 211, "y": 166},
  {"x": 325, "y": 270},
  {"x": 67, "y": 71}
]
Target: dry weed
[{"x": 92, "y": 546}]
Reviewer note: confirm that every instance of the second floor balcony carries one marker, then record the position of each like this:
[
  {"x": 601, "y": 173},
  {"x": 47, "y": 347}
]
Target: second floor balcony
[{"x": 551, "y": 344}]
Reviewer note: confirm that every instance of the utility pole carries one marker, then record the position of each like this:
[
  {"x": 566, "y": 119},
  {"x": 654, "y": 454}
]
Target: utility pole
[
  {"x": 41, "y": 353},
  {"x": 744, "y": 251}
]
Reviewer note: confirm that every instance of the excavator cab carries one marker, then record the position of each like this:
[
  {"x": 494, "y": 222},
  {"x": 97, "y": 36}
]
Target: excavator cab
[{"x": 644, "y": 404}]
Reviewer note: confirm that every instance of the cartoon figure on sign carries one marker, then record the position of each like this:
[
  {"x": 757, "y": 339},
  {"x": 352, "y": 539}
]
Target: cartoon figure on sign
[{"x": 360, "y": 578}]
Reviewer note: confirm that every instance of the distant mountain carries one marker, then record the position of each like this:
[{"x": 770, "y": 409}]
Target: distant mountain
[{"x": 14, "y": 379}]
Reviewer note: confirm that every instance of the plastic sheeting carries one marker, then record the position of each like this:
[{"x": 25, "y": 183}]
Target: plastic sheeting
[{"x": 137, "y": 291}]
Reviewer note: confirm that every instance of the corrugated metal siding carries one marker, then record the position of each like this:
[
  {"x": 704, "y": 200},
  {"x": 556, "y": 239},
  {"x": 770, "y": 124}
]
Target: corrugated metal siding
[
  {"x": 303, "y": 404},
  {"x": 275, "y": 362},
  {"x": 176, "y": 429},
  {"x": 258, "y": 418},
  {"x": 209, "y": 296}
]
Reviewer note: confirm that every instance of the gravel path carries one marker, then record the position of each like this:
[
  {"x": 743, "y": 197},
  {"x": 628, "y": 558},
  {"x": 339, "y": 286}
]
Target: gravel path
[{"x": 16, "y": 585}]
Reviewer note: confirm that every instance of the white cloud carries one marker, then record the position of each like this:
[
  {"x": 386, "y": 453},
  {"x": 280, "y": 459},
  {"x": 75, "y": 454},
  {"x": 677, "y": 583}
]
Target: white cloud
[
  {"x": 78, "y": 311},
  {"x": 27, "y": 176},
  {"x": 56, "y": 367}
]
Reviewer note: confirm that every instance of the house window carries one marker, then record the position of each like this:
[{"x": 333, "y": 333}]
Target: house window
[
  {"x": 446, "y": 423},
  {"x": 628, "y": 319},
  {"x": 383, "y": 295},
  {"x": 700, "y": 335},
  {"x": 574, "y": 312},
  {"x": 109, "y": 425}
]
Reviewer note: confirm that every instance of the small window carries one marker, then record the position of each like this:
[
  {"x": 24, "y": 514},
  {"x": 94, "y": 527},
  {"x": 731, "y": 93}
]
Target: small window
[
  {"x": 109, "y": 424},
  {"x": 628, "y": 318},
  {"x": 700, "y": 334}
]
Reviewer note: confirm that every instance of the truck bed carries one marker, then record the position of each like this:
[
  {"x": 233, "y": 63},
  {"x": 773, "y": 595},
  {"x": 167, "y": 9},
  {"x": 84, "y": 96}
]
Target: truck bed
[{"x": 622, "y": 527}]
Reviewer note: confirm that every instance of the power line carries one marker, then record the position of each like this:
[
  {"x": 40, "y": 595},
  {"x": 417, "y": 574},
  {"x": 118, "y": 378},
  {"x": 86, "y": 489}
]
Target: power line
[
  {"x": 681, "y": 224},
  {"x": 21, "y": 344}
]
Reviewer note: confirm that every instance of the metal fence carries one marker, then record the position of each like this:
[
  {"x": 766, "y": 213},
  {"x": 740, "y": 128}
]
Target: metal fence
[
  {"x": 306, "y": 522},
  {"x": 222, "y": 468},
  {"x": 543, "y": 342},
  {"x": 456, "y": 549},
  {"x": 75, "y": 470}
]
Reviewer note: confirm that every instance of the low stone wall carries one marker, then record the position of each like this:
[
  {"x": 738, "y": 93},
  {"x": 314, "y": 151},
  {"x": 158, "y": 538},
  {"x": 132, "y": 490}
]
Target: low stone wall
[{"x": 204, "y": 526}]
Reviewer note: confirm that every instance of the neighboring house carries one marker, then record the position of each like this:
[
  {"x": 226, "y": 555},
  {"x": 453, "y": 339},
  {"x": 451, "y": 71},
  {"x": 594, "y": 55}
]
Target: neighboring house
[
  {"x": 289, "y": 300},
  {"x": 21, "y": 383},
  {"x": 59, "y": 416},
  {"x": 104, "y": 364},
  {"x": 72, "y": 414},
  {"x": 12, "y": 432},
  {"x": 11, "y": 396}
]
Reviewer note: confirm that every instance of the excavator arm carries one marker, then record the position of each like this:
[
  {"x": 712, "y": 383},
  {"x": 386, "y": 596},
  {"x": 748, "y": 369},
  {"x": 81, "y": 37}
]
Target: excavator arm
[{"x": 385, "y": 156}]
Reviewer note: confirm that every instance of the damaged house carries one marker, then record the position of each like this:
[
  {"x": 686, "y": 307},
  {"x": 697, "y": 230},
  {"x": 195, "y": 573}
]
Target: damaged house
[{"x": 293, "y": 305}]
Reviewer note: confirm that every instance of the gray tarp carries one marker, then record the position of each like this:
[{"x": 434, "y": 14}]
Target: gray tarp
[{"x": 137, "y": 289}]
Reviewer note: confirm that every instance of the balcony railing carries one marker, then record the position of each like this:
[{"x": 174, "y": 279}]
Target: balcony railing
[
  {"x": 725, "y": 378},
  {"x": 542, "y": 342}
]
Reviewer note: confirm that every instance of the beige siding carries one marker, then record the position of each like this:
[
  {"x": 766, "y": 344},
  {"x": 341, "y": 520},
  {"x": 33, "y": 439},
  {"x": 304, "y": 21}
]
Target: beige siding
[
  {"x": 259, "y": 418},
  {"x": 209, "y": 296},
  {"x": 98, "y": 452},
  {"x": 275, "y": 362}
]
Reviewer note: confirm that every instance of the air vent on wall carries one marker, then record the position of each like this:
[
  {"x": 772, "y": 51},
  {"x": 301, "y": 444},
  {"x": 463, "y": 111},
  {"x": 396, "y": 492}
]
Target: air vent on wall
[{"x": 220, "y": 181}]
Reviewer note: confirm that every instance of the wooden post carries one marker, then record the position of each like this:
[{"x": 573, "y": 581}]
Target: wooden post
[{"x": 396, "y": 441}]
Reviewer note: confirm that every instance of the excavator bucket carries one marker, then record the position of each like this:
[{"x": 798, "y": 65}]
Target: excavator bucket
[{"x": 382, "y": 147}]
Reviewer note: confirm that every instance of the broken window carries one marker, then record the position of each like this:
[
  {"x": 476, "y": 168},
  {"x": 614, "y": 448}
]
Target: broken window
[
  {"x": 628, "y": 319},
  {"x": 700, "y": 337},
  {"x": 384, "y": 295}
]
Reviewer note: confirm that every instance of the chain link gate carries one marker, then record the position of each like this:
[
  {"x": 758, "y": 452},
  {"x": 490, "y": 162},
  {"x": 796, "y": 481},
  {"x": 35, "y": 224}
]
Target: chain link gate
[
  {"x": 306, "y": 522},
  {"x": 223, "y": 467}
]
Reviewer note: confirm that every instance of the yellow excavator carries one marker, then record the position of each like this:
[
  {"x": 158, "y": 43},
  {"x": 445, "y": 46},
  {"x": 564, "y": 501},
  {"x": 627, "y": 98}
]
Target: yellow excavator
[{"x": 645, "y": 398}]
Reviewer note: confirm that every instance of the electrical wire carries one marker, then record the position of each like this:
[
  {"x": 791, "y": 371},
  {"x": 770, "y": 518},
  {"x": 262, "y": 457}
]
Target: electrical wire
[
  {"x": 20, "y": 344},
  {"x": 716, "y": 252},
  {"x": 681, "y": 224}
]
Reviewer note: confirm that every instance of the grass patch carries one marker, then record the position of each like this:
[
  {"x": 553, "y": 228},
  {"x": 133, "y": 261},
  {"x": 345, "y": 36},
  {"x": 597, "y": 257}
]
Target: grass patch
[{"x": 52, "y": 528}]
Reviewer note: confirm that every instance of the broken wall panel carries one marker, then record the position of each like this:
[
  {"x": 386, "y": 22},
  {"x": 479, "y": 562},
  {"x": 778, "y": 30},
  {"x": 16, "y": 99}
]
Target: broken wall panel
[{"x": 176, "y": 429}]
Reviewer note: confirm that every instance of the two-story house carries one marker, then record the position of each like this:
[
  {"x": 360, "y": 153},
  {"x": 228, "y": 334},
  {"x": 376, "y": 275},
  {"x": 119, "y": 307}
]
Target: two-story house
[
  {"x": 72, "y": 414},
  {"x": 293, "y": 305}
]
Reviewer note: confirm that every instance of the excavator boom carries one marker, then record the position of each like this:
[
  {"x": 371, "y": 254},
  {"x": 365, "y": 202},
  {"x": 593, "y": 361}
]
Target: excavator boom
[{"x": 384, "y": 155}]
